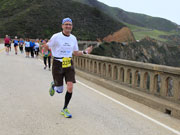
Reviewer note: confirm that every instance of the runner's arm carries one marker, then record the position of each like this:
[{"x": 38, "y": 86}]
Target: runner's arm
[
  {"x": 78, "y": 53},
  {"x": 86, "y": 51}
]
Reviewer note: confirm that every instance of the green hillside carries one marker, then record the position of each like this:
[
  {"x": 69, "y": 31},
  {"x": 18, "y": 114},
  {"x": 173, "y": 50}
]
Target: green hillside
[
  {"x": 141, "y": 32},
  {"x": 42, "y": 18},
  {"x": 132, "y": 18}
]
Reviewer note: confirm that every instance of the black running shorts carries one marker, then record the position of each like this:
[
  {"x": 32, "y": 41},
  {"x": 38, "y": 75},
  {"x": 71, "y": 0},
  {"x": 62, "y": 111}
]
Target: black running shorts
[
  {"x": 59, "y": 73},
  {"x": 7, "y": 45},
  {"x": 15, "y": 45},
  {"x": 27, "y": 49}
]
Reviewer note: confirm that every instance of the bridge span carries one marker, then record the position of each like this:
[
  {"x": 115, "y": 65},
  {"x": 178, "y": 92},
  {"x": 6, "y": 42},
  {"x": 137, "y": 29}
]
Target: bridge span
[{"x": 27, "y": 109}]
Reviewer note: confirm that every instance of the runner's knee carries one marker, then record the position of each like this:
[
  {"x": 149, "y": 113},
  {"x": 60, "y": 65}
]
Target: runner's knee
[{"x": 69, "y": 87}]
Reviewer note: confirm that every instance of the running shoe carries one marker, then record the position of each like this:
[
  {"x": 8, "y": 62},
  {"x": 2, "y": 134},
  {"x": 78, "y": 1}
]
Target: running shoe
[
  {"x": 51, "y": 90},
  {"x": 66, "y": 113}
]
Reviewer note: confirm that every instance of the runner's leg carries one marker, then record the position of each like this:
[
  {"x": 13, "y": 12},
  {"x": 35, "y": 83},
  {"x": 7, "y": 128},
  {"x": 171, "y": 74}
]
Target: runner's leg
[
  {"x": 49, "y": 61},
  {"x": 68, "y": 94},
  {"x": 45, "y": 63}
]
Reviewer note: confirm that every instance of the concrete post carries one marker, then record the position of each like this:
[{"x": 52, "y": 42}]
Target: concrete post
[
  {"x": 86, "y": 65},
  {"x": 112, "y": 72},
  {"x": 142, "y": 84},
  {"x": 133, "y": 71},
  {"x": 126, "y": 75},
  {"x": 97, "y": 67},
  {"x": 118, "y": 73},
  {"x": 152, "y": 90},
  {"x": 176, "y": 88},
  {"x": 106, "y": 72},
  {"x": 163, "y": 89},
  {"x": 93, "y": 66}
]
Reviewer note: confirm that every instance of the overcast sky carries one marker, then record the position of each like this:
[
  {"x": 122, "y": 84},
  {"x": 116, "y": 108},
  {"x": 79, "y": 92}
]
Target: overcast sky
[{"x": 168, "y": 9}]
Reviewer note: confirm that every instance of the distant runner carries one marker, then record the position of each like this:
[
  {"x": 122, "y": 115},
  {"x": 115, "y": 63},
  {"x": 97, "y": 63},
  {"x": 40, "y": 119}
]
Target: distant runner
[
  {"x": 15, "y": 44},
  {"x": 27, "y": 47},
  {"x": 21, "y": 44},
  {"x": 7, "y": 44},
  {"x": 32, "y": 44},
  {"x": 36, "y": 48}
]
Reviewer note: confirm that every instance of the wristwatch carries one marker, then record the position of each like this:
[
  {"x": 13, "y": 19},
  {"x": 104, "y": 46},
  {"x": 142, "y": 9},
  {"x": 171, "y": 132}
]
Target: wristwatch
[{"x": 85, "y": 52}]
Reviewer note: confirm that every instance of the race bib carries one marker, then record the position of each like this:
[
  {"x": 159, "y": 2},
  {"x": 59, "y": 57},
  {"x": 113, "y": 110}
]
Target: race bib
[{"x": 66, "y": 62}]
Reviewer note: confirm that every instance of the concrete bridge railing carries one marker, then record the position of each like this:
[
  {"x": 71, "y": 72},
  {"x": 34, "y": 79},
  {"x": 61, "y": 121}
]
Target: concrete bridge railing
[{"x": 163, "y": 81}]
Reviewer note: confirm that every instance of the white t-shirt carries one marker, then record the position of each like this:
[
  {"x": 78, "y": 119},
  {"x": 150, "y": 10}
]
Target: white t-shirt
[
  {"x": 63, "y": 46},
  {"x": 27, "y": 44},
  {"x": 36, "y": 45}
]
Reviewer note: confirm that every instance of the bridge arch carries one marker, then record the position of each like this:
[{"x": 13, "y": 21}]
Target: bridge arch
[
  {"x": 157, "y": 83},
  {"x": 121, "y": 74},
  {"x": 109, "y": 71},
  {"x": 137, "y": 78},
  {"x": 169, "y": 87},
  {"x": 129, "y": 76},
  {"x": 87, "y": 62},
  {"x": 91, "y": 65},
  {"x": 115, "y": 73},
  {"x": 99, "y": 66},
  {"x": 146, "y": 83},
  {"x": 104, "y": 70},
  {"x": 84, "y": 63},
  {"x": 95, "y": 67}
]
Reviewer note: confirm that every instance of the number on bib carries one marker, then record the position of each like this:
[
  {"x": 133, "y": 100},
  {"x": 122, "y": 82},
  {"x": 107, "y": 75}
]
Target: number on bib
[{"x": 66, "y": 62}]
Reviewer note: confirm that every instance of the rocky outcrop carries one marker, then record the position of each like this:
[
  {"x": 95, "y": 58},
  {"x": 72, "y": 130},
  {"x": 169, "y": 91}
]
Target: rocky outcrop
[
  {"x": 123, "y": 35},
  {"x": 171, "y": 39},
  {"x": 147, "y": 50}
]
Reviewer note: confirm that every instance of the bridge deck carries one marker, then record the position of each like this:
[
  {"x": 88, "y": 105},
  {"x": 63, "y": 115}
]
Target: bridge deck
[{"x": 26, "y": 107}]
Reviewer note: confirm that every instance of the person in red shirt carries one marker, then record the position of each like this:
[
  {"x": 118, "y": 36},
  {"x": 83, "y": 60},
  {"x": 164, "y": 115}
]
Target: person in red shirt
[{"x": 7, "y": 44}]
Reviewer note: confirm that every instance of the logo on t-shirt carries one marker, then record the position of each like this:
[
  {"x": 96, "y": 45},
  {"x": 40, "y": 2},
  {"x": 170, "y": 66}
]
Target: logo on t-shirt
[
  {"x": 66, "y": 44},
  {"x": 66, "y": 49}
]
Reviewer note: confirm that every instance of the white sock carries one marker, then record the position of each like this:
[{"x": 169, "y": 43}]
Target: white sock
[{"x": 59, "y": 89}]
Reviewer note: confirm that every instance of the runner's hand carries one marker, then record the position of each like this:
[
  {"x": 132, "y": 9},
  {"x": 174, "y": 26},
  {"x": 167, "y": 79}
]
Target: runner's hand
[
  {"x": 89, "y": 49},
  {"x": 45, "y": 46}
]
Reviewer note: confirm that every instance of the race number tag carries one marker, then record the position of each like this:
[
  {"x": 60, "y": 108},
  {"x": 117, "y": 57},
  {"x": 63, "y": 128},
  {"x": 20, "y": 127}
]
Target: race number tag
[{"x": 66, "y": 62}]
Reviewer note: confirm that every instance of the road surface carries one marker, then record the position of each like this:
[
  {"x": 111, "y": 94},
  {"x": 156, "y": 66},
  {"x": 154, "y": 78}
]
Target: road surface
[{"x": 27, "y": 109}]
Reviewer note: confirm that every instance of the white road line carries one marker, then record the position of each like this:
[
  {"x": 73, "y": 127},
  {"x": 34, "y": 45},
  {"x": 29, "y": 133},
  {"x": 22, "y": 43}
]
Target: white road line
[{"x": 133, "y": 110}]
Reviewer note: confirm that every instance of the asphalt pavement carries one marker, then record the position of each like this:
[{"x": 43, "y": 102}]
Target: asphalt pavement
[{"x": 26, "y": 108}]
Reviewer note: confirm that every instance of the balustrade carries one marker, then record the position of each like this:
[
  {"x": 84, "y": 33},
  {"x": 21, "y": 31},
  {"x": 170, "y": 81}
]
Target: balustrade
[{"x": 158, "y": 80}]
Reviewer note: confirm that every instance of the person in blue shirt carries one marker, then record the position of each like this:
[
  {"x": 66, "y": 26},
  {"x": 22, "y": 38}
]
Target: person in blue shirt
[
  {"x": 32, "y": 44},
  {"x": 15, "y": 44},
  {"x": 21, "y": 43},
  {"x": 27, "y": 47}
]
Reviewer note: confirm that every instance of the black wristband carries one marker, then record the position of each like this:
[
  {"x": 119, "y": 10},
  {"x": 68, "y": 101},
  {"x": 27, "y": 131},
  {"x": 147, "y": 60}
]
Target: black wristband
[{"x": 84, "y": 52}]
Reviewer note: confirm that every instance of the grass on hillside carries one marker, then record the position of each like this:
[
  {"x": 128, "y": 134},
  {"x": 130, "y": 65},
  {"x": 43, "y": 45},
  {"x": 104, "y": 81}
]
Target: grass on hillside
[{"x": 141, "y": 32}]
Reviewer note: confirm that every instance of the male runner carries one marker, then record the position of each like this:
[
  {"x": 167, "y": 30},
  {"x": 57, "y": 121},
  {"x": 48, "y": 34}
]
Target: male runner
[{"x": 63, "y": 45}]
